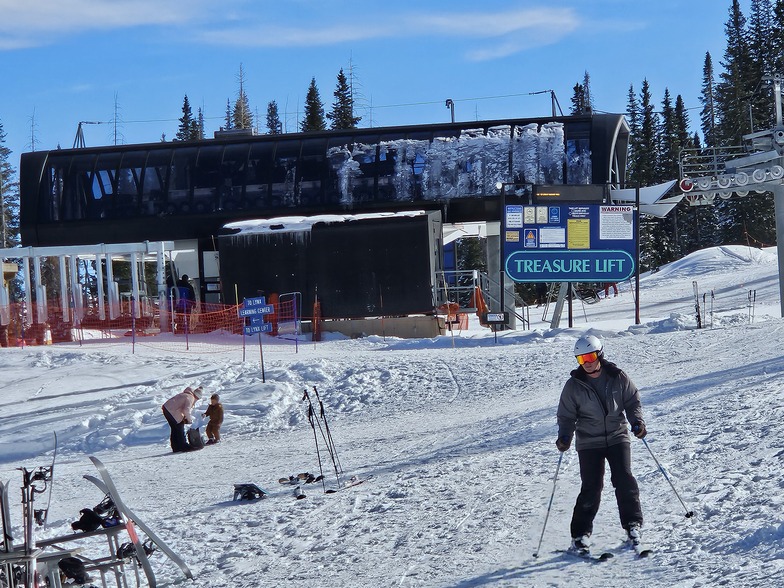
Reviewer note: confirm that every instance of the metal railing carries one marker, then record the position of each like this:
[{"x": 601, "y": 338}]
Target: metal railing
[{"x": 458, "y": 287}]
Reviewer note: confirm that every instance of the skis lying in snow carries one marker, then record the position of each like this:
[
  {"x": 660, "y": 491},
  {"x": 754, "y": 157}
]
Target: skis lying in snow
[
  {"x": 303, "y": 478},
  {"x": 353, "y": 481},
  {"x": 306, "y": 478},
  {"x": 587, "y": 555}
]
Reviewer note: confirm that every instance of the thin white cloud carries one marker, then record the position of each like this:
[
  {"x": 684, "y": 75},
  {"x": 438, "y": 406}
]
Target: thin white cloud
[
  {"x": 486, "y": 24},
  {"x": 280, "y": 36},
  {"x": 512, "y": 31},
  {"x": 39, "y": 22},
  {"x": 486, "y": 34}
]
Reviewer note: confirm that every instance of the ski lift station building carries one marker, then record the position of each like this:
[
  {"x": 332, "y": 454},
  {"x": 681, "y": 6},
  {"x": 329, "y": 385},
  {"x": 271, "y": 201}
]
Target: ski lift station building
[{"x": 357, "y": 219}]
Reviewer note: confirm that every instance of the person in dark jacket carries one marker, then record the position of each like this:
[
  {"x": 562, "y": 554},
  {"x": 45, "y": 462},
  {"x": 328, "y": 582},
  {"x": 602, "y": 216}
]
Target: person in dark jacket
[
  {"x": 595, "y": 404},
  {"x": 187, "y": 295}
]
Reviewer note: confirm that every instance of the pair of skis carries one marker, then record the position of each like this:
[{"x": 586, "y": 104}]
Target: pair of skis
[
  {"x": 640, "y": 550},
  {"x": 306, "y": 478}
]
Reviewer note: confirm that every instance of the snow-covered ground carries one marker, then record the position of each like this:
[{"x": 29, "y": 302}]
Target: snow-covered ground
[{"x": 458, "y": 435}]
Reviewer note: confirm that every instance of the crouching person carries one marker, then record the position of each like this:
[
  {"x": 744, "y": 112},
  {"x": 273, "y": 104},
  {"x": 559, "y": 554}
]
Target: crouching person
[{"x": 177, "y": 411}]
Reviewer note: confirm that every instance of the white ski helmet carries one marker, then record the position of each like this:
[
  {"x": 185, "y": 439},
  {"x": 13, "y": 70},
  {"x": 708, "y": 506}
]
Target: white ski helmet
[{"x": 588, "y": 344}]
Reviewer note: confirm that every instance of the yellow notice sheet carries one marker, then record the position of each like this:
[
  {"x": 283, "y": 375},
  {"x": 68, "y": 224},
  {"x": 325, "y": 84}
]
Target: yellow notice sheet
[{"x": 578, "y": 233}]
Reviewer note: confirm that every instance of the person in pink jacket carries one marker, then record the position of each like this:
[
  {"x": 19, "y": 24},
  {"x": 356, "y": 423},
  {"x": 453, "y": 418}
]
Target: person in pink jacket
[{"x": 177, "y": 411}]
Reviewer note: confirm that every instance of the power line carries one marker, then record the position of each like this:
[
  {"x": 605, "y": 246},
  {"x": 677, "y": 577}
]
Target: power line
[{"x": 463, "y": 99}]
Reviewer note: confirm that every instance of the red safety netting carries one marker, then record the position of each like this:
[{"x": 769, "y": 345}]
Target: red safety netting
[{"x": 209, "y": 327}]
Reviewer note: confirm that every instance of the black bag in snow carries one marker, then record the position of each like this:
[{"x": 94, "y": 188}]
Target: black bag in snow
[
  {"x": 74, "y": 569},
  {"x": 194, "y": 439},
  {"x": 89, "y": 521}
]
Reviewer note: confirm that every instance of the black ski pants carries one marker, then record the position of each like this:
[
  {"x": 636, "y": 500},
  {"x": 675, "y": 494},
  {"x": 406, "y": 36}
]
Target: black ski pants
[
  {"x": 627, "y": 493},
  {"x": 177, "y": 437}
]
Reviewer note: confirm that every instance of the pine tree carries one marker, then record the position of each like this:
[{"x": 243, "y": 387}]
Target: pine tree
[
  {"x": 471, "y": 254},
  {"x": 578, "y": 100},
  {"x": 657, "y": 243},
  {"x": 761, "y": 58},
  {"x": 185, "y": 130},
  {"x": 274, "y": 126},
  {"x": 342, "y": 114},
  {"x": 314, "y": 110},
  {"x": 777, "y": 37},
  {"x": 682, "y": 124},
  {"x": 9, "y": 208},
  {"x": 695, "y": 224},
  {"x": 588, "y": 108},
  {"x": 708, "y": 115},
  {"x": 633, "y": 117},
  {"x": 734, "y": 90},
  {"x": 581, "y": 97},
  {"x": 227, "y": 121},
  {"x": 242, "y": 117},
  {"x": 742, "y": 218},
  {"x": 669, "y": 155},
  {"x": 667, "y": 168},
  {"x": 197, "y": 133},
  {"x": 647, "y": 147}
]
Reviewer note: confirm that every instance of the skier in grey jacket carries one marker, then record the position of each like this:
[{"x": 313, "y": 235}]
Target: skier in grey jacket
[{"x": 595, "y": 404}]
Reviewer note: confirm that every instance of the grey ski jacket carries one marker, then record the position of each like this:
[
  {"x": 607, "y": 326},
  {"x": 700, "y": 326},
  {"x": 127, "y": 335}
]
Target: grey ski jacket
[{"x": 598, "y": 422}]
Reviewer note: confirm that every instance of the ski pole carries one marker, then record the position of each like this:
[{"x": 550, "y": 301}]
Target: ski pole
[
  {"x": 329, "y": 433},
  {"x": 689, "y": 513},
  {"x": 330, "y": 448},
  {"x": 549, "y": 505},
  {"x": 315, "y": 438}
]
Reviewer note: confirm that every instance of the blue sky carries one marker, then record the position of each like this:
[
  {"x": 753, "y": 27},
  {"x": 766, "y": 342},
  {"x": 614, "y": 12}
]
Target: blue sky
[{"x": 65, "y": 61}]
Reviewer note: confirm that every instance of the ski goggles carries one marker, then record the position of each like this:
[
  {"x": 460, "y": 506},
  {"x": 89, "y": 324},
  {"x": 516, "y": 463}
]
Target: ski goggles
[{"x": 587, "y": 357}]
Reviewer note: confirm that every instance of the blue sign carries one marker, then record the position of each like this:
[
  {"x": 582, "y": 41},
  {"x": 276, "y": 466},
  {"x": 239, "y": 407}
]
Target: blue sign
[
  {"x": 261, "y": 328},
  {"x": 569, "y": 266},
  {"x": 267, "y": 309},
  {"x": 252, "y": 302},
  {"x": 255, "y": 306},
  {"x": 571, "y": 242}
]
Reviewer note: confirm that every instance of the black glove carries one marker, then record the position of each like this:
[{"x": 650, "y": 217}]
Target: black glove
[
  {"x": 639, "y": 429},
  {"x": 563, "y": 443}
]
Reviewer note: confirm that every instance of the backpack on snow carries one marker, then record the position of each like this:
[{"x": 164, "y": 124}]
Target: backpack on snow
[
  {"x": 104, "y": 514},
  {"x": 89, "y": 521},
  {"x": 74, "y": 569},
  {"x": 194, "y": 439}
]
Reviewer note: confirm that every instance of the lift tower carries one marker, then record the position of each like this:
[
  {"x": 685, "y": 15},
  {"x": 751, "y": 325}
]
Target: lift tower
[{"x": 756, "y": 166}]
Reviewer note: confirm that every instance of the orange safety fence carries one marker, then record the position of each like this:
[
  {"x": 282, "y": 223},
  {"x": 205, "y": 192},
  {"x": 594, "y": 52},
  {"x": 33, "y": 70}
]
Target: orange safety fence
[{"x": 219, "y": 324}]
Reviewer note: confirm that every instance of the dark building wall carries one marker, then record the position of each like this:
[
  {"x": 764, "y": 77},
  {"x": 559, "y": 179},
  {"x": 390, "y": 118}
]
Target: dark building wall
[
  {"x": 188, "y": 190},
  {"x": 364, "y": 267}
]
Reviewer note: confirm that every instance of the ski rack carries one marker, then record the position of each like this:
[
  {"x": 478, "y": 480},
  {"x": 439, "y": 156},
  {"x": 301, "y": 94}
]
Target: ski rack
[{"x": 32, "y": 563}]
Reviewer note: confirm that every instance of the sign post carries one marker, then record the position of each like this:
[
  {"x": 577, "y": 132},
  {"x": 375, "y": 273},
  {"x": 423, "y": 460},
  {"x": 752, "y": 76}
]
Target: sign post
[{"x": 255, "y": 309}]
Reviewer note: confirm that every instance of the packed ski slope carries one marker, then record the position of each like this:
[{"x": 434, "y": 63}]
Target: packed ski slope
[{"x": 458, "y": 435}]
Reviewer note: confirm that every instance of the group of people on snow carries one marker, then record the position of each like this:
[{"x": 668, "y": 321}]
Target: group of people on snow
[
  {"x": 596, "y": 405},
  {"x": 178, "y": 412}
]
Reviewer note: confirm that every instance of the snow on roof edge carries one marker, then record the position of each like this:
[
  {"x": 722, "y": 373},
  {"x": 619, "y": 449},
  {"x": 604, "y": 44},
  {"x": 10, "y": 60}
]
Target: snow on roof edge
[{"x": 292, "y": 224}]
